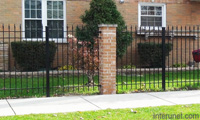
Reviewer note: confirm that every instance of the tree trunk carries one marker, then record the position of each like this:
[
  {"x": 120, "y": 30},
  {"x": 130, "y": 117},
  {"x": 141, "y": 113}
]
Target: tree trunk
[{"x": 90, "y": 76}]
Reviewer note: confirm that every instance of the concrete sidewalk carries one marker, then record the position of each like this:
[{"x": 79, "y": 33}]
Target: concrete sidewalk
[{"x": 96, "y": 102}]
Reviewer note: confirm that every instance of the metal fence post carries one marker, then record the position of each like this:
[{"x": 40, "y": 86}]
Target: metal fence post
[
  {"x": 163, "y": 58},
  {"x": 47, "y": 62}
]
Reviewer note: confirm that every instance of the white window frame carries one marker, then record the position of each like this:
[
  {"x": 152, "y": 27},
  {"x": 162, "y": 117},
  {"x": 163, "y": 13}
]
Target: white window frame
[
  {"x": 152, "y": 4},
  {"x": 44, "y": 23}
]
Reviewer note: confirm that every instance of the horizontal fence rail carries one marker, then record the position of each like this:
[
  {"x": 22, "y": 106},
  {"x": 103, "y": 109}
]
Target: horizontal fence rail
[
  {"x": 27, "y": 71},
  {"x": 144, "y": 67}
]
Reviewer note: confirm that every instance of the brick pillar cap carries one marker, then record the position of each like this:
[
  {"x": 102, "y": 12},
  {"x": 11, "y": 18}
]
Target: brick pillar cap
[{"x": 107, "y": 25}]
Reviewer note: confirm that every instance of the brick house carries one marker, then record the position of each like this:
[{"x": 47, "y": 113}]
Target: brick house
[
  {"x": 175, "y": 12},
  {"x": 32, "y": 14}
]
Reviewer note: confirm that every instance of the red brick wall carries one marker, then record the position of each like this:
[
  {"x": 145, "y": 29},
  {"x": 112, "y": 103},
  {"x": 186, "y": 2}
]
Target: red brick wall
[
  {"x": 3, "y": 56},
  {"x": 11, "y": 12},
  {"x": 179, "y": 12}
]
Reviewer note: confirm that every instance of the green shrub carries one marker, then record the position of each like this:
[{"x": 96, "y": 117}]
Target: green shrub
[
  {"x": 129, "y": 67},
  {"x": 69, "y": 67},
  {"x": 31, "y": 56},
  {"x": 179, "y": 65},
  {"x": 151, "y": 53},
  {"x": 104, "y": 12}
]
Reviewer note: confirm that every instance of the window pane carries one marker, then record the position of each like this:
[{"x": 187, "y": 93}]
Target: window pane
[
  {"x": 55, "y": 14},
  {"x": 27, "y": 34},
  {"x": 27, "y": 24},
  {"x": 33, "y": 4},
  {"x": 60, "y": 5},
  {"x": 54, "y": 25},
  {"x": 55, "y": 5},
  {"x": 39, "y": 29},
  {"x": 151, "y": 19},
  {"x": 33, "y": 34},
  {"x": 33, "y": 28},
  {"x": 158, "y": 13},
  {"x": 158, "y": 18},
  {"x": 151, "y": 7},
  {"x": 60, "y": 24},
  {"x": 61, "y": 14},
  {"x": 49, "y": 14},
  {"x": 49, "y": 5},
  {"x": 55, "y": 28},
  {"x": 158, "y": 23},
  {"x": 144, "y": 19},
  {"x": 39, "y": 6},
  {"x": 143, "y": 12},
  {"x": 150, "y": 23},
  {"x": 39, "y": 15},
  {"x": 143, "y": 7},
  {"x": 39, "y": 34},
  {"x": 39, "y": 24},
  {"x": 33, "y": 25},
  {"x": 144, "y": 24},
  {"x": 159, "y": 8},
  {"x": 33, "y": 14},
  {"x": 27, "y": 4},
  {"x": 27, "y": 13},
  {"x": 60, "y": 33},
  {"x": 151, "y": 12}
]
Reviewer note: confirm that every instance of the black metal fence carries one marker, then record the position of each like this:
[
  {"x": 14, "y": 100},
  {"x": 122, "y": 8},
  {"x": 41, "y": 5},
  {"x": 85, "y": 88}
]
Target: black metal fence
[
  {"x": 159, "y": 58},
  {"x": 61, "y": 61},
  {"x": 48, "y": 62}
]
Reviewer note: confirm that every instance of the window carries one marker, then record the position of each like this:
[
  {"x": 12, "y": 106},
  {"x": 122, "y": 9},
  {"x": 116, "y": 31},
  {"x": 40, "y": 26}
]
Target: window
[
  {"x": 33, "y": 19},
  {"x": 151, "y": 15},
  {"x": 55, "y": 19},
  {"x": 41, "y": 13}
]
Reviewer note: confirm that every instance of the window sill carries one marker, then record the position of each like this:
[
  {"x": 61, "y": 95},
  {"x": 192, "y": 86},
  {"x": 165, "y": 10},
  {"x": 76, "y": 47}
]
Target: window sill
[
  {"x": 168, "y": 34},
  {"x": 64, "y": 41}
]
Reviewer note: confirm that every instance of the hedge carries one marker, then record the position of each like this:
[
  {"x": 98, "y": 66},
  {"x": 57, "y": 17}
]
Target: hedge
[
  {"x": 31, "y": 55},
  {"x": 151, "y": 53}
]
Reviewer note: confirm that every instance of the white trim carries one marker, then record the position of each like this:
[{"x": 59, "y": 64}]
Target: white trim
[
  {"x": 59, "y": 40},
  {"x": 44, "y": 22},
  {"x": 23, "y": 20},
  {"x": 65, "y": 19},
  {"x": 139, "y": 14},
  {"x": 44, "y": 16},
  {"x": 107, "y": 25},
  {"x": 163, "y": 5}
]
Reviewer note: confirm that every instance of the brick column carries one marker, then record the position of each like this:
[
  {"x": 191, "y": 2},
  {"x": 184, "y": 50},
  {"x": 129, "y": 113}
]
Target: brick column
[{"x": 107, "y": 58}]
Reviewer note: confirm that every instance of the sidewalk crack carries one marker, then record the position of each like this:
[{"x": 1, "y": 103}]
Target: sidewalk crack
[
  {"x": 91, "y": 102},
  {"x": 161, "y": 99},
  {"x": 11, "y": 107}
]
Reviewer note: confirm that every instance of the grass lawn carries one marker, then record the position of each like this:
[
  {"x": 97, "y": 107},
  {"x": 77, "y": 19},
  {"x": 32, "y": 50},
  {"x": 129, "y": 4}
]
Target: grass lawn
[
  {"x": 36, "y": 86},
  {"x": 153, "y": 82},
  {"x": 148, "y": 113},
  {"x": 67, "y": 85}
]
